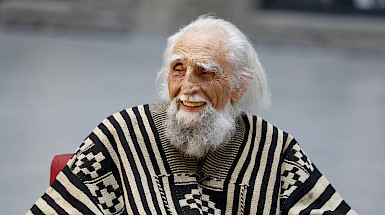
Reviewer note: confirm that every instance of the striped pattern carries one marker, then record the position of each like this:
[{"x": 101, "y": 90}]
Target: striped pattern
[{"x": 127, "y": 166}]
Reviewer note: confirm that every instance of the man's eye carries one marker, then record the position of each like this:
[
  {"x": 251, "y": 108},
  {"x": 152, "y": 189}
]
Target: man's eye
[
  {"x": 207, "y": 73},
  {"x": 178, "y": 68}
]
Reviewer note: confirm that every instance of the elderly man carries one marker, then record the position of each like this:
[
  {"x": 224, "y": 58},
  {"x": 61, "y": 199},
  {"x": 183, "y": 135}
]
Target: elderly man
[{"x": 198, "y": 153}]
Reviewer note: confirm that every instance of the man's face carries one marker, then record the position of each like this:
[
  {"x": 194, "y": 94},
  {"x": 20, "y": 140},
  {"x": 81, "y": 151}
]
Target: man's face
[{"x": 199, "y": 67}]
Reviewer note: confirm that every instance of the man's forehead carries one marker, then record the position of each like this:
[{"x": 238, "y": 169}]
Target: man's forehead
[{"x": 204, "y": 44}]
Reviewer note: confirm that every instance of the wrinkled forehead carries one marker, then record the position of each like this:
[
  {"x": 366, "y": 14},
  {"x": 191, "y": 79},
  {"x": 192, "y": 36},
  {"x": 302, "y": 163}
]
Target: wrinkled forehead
[{"x": 203, "y": 44}]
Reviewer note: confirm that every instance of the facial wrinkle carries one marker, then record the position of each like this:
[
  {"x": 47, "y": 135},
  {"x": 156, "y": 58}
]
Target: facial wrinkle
[{"x": 205, "y": 43}]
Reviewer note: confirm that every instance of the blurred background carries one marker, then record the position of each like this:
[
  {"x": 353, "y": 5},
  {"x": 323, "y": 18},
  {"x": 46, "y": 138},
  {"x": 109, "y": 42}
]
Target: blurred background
[{"x": 65, "y": 65}]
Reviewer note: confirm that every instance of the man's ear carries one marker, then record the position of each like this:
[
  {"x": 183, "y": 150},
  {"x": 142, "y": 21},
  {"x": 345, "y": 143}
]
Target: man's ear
[{"x": 243, "y": 82}]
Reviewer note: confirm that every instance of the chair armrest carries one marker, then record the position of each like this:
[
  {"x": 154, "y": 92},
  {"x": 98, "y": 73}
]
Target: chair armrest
[{"x": 58, "y": 163}]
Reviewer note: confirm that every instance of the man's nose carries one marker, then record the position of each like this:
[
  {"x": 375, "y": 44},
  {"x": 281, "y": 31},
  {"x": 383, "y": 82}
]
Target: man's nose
[{"x": 190, "y": 83}]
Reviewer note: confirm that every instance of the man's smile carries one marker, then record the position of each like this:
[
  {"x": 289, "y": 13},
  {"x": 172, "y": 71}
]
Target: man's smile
[{"x": 192, "y": 104}]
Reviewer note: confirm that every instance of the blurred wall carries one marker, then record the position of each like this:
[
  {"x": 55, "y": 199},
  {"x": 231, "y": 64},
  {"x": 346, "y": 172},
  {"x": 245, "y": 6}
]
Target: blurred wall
[
  {"x": 116, "y": 15},
  {"x": 357, "y": 32}
]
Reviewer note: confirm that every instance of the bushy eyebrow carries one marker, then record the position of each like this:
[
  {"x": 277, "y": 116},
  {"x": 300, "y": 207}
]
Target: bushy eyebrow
[
  {"x": 209, "y": 67},
  {"x": 175, "y": 57}
]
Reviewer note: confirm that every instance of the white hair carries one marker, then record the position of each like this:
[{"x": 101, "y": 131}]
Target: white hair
[{"x": 242, "y": 58}]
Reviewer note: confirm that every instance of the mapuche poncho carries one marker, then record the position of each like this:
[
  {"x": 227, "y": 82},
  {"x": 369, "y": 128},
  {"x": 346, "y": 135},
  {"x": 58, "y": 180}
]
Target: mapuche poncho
[{"x": 127, "y": 166}]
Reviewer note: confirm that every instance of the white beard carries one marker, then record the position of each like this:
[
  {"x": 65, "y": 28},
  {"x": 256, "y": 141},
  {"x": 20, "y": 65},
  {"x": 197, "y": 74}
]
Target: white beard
[{"x": 195, "y": 134}]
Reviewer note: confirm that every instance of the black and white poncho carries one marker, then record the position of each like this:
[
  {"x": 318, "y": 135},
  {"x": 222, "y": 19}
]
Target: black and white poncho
[{"x": 127, "y": 166}]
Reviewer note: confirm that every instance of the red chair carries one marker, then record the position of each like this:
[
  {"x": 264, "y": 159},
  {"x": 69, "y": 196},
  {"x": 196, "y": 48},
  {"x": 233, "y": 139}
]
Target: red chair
[{"x": 58, "y": 163}]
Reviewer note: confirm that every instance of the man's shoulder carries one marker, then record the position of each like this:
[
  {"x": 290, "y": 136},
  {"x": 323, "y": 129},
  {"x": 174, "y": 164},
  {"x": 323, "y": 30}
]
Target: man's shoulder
[
  {"x": 258, "y": 120},
  {"x": 129, "y": 120},
  {"x": 156, "y": 107},
  {"x": 150, "y": 110},
  {"x": 263, "y": 129}
]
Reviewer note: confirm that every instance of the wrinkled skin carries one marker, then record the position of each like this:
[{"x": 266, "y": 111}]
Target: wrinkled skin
[{"x": 200, "y": 67}]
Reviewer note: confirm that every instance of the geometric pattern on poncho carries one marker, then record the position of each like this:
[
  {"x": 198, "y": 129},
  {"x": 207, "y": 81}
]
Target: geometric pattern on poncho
[
  {"x": 103, "y": 186},
  {"x": 199, "y": 201},
  {"x": 296, "y": 170}
]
